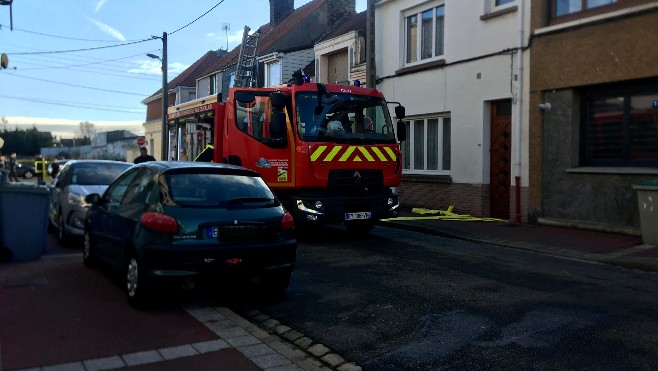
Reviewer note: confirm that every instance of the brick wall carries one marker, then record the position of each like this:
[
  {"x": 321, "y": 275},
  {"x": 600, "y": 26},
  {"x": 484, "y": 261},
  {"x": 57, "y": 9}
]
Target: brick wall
[
  {"x": 339, "y": 9},
  {"x": 280, "y": 9},
  {"x": 439, "y": 194}
]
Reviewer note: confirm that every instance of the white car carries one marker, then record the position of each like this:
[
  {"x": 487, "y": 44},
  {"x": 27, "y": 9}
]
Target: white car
[{"x": 76, "y": 179}]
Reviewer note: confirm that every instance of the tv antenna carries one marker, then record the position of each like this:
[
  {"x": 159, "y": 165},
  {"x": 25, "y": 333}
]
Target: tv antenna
[{"x": 226, "y": 27}]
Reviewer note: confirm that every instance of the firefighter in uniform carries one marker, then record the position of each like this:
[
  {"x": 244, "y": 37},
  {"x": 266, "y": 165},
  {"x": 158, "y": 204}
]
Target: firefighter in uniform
[{"x": 40, "y": 169}]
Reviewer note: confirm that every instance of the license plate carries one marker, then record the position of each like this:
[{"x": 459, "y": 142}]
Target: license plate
[
  {"x": 358, "y": 216},
  {"x": 234, "y": 231}
]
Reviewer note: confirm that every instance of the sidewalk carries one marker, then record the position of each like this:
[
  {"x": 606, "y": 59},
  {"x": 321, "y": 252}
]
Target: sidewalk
[
  {"x": 609, "y": 248},
  {"x": 57, "y": 315}
]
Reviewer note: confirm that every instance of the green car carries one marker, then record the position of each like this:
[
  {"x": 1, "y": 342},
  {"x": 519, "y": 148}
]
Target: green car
[{"x": 182, "y": 223}]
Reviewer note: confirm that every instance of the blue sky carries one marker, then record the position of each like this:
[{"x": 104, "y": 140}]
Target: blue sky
[{"x": 54, "y": 88}]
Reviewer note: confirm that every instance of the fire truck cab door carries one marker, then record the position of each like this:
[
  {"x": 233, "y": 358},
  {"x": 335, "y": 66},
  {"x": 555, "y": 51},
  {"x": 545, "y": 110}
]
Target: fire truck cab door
[{"x": 251, "y": 143}]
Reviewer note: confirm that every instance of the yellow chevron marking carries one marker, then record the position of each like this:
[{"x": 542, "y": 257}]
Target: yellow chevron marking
[
  {"x": 333, "y": 153},
  {"x": 367, "y": 154},
  {"x": 379, "y": 154},
  {"x": 357, "y": 158},
  {"x": 390, "y": 153},
  {"x": 318, "y": 152},
  {"x": 347, "y": 153}
]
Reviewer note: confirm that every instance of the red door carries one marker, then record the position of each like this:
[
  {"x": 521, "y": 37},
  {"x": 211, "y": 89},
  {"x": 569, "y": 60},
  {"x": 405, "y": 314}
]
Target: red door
[{"x": 500, "y": 158}]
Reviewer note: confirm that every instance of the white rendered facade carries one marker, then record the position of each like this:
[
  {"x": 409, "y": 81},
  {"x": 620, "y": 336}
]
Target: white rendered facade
[{"x": 477, "y": 65}]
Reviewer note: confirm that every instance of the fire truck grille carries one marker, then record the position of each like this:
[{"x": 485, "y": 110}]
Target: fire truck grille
[{"x": 356, "y": 178}]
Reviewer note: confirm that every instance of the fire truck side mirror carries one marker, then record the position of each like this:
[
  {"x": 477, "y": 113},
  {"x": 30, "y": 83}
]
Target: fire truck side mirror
[
  {"x": 278, "y": 125},
  {"x": 278, "y": 100},
  {"x": 400, "y": 112},
  {"x": 402, "y": 131}
]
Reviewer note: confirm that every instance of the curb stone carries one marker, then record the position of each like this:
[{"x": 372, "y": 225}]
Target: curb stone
[{"x": 300, "y": 346}]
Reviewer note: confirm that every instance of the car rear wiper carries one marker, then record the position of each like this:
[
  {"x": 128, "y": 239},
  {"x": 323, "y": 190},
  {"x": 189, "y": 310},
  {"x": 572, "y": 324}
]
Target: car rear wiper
[
  {"x": 248, "y": 202},
  {"x": 244, "y": 200}
]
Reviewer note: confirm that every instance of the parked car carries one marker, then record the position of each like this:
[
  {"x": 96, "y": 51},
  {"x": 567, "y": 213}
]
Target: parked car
[
  {"x": 76, "y": 179},
  {"x": 24, "y": 171},
  {"x": 190, "y": 222}
]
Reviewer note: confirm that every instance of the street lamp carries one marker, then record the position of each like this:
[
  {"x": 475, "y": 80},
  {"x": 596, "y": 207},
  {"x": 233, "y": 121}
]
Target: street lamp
[
  {"x": 11, "y": 18},
  {"x": 165, "y": 133}
]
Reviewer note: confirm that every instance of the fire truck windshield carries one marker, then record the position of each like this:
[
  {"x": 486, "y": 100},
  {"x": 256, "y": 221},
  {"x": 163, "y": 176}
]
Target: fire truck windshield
[{"x": 343, "y": 118}]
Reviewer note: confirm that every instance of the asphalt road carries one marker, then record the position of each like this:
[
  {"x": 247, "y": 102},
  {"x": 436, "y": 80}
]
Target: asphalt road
[{"x": 398, "y": 300}]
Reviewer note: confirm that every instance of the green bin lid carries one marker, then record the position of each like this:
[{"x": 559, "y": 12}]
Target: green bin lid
[{"x": 646, "y": 185}]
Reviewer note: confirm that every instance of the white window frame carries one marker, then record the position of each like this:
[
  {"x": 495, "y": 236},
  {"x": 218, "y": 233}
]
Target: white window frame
[
  {"x": 490, "y": 6},
  {"x": 231, "y": 80},
  {"x": 212, "y": 84},
  {"x": 411, "y": 141},
  {"x": 269, "y": 67},
  {"x": 418, "y": 11}
]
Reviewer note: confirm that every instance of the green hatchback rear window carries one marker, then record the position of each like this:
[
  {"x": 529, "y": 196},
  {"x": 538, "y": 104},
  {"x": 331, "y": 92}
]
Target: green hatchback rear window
[{"x": 217, "y": 190}]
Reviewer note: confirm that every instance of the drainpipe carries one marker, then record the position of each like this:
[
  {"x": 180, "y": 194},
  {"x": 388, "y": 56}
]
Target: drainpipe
[{"x": 519, "y": 113}]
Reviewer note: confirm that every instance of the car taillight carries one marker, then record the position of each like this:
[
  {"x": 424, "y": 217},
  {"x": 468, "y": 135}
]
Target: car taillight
[
  {"x": 287, "y": 222},
  {"x": 159, "y": 222}
]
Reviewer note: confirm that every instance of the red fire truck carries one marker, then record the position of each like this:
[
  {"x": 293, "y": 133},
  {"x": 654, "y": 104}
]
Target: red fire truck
[{"x": 329, "y": 152}]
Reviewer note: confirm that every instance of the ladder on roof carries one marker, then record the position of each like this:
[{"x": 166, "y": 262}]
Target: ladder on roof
[{"x": 246, "y": 74}]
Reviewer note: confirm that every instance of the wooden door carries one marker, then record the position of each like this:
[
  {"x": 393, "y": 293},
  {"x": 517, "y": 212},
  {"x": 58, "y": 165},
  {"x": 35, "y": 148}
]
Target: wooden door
[
  {"x": 500, "y": 159},
  {"x": 338, "y": 68}
]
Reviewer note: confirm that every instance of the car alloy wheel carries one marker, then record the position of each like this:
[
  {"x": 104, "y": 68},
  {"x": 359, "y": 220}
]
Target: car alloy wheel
[
  {"x": 28, "y": 174},
  {"x": 134, "y": 282}
]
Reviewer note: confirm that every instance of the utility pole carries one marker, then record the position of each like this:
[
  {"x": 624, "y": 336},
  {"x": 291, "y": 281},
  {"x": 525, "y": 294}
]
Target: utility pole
[
  {"x": 371, "y": 72},
  {"x": 165, "y": 96}
]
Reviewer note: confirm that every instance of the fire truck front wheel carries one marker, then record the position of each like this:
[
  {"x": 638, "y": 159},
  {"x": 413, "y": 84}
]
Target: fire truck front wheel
[{"x": 359, "y": 227}]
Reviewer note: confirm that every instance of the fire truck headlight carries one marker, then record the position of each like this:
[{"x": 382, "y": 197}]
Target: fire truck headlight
[
  {"x": 393, "y": 203},
  {"x": 308, "y": 208}
]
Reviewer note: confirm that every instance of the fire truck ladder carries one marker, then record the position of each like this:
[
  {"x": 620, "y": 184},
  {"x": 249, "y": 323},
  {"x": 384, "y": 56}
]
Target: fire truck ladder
[{"x": 247, "y": 73}]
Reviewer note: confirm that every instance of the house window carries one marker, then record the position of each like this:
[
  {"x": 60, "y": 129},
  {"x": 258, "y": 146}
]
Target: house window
[
  {"x": 620, "y": 127},
  {"x": 273, "y": 74},
  {"x": 424, "y": 34},
  {"x": 502, "y": 2},
  {"x": 427, "y": 148},
  {"x": 213, "y": 85},
  {"x": 565, "y": 7}
]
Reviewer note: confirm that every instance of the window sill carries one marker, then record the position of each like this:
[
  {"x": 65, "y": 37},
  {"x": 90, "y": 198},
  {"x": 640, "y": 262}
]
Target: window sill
[
  {"x": 498, "y": 13},
  {"x": 424, "y": 178},
  {"x": 421, "y": 67},
  {"x": 614, "y": 170},
  {"x": 593, "y": 19}
]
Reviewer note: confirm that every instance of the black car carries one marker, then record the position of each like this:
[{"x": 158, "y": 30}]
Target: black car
[
  {"x": 24, "y": 171},
  {"x": 186, "y": 222}
]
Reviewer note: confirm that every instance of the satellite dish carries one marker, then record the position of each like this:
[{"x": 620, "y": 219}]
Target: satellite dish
[
  {"x": 2, "y": 142},
  {"x": 4, "y": 61}
]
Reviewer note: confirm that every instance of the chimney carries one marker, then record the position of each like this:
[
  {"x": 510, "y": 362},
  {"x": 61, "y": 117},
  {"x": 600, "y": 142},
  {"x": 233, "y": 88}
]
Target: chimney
[
  {"x": 339, "y": 9},
  {"x": 280, "y": 9}
]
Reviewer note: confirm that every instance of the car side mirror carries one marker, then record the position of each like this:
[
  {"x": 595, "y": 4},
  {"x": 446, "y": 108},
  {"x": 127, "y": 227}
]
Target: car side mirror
[{"x": 93, "y": 198}]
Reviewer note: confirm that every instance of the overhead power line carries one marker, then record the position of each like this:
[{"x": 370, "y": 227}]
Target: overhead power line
[
  {"x": 61, "y": 37},
  {"x": 81, "y": 50},
  {"x": 75, "y": 104},
  {"x": 107, "y": 46},
  {"x": 78, "y": 86},
  {"x": 199, "y": 17},
  {"x": 86, "y": 64}
]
